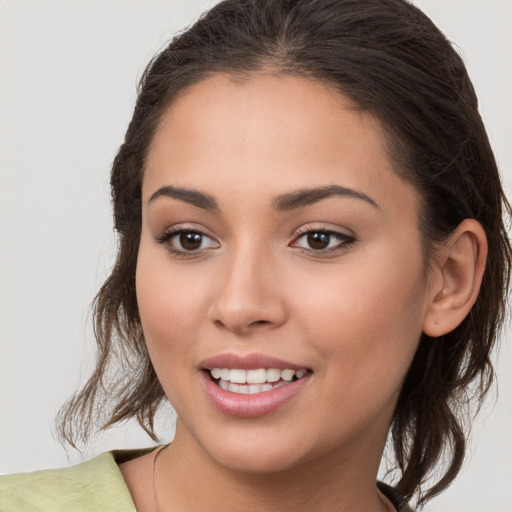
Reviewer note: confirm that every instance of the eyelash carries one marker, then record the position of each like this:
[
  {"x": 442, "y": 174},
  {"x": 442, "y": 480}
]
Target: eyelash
[
  {"x": 345, "y": 241},
  {"x": 166, "y": 237}
]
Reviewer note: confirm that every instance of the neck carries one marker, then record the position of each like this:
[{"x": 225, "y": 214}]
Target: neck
[{"x": 186, "y": 478}]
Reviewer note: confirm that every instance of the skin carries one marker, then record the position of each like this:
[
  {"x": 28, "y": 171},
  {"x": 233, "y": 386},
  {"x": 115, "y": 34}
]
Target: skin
[{"x": 353, "y": 316}]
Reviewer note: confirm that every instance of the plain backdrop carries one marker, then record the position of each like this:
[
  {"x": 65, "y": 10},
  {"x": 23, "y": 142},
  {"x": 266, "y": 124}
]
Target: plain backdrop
[{"x": 68, "y": 71}]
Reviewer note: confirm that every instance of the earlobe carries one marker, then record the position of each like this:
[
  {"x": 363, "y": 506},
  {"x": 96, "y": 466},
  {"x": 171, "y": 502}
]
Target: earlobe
[{"x": 460, "y": 269}]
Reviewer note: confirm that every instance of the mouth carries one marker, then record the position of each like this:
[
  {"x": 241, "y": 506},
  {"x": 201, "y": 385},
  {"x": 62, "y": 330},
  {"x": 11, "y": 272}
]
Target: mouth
[
  {"x": 252, "y": 385},
  {"x": 254, "y": 381}
]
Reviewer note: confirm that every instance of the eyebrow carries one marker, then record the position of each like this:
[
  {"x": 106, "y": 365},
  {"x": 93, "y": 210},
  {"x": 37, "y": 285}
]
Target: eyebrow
[
  {"x": 308, "y": 196},
  {"x": 193, "y": 197},
  {"x": 286, "y": 202}
]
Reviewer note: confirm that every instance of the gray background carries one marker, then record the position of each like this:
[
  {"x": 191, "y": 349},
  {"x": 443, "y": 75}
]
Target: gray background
[{"x": 67, "y": 87}]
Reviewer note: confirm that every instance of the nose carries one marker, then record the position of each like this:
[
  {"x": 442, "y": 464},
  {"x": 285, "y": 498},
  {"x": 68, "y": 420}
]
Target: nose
[{"x": 249, "y": 295}]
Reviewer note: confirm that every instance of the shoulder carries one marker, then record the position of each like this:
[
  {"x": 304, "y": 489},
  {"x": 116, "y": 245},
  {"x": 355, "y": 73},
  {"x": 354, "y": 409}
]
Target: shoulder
[{"x": 92, "y": 486}]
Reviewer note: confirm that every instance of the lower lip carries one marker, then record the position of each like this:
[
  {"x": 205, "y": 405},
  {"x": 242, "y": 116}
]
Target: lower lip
[{"x": 250, "y": 406}]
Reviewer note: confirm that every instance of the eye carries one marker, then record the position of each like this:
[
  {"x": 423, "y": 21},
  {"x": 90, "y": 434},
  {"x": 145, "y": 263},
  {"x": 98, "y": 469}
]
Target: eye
[
  {"x": 322, "y": 240},
  {"x": 185, "y": 242}
]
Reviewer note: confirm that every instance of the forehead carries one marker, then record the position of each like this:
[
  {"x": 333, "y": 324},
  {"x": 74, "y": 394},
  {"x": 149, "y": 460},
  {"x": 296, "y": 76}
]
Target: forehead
[
  {"x": 268, "y": 105},
  {"x": 292, "y": 131}
]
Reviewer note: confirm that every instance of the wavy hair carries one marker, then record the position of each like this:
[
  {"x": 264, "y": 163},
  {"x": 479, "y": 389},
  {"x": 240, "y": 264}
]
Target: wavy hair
[{"x": 395, "y": 64}]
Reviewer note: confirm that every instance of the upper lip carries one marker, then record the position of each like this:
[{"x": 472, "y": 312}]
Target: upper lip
[{"x": 247, "y": 362}]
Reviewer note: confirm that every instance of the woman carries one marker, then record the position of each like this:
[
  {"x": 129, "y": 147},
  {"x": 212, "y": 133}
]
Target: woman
[{"x": 311, "y": 234}]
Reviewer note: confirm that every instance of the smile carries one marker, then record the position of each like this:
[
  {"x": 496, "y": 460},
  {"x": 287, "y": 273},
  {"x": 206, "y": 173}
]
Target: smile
[{"x": 250, "y": 382}]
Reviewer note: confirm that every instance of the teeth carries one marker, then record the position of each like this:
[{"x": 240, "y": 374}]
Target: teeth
[
  {"x": 254, "y": 388},
  {"x": 287, "y": 374},
  {"x": 239, "y": 376},
  {"x": 254, "y": 381},
  {"x": 256, "y": 376},
  {"x": 249, "y": 389},
  {"x": 235, "y": 388},
  {"x": 216, "y": 373},
  {"x": 273, "y": 375},
  {"x": 300, "y": 373}
]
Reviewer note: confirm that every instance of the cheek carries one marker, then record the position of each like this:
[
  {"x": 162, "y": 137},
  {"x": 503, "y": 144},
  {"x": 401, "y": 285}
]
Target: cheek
[
  {"x": 169, "y": 308},
  {"x": 365, "y": 327},
  {"x": 169, "y": 302},
  {"x": 368, "y": 317}
]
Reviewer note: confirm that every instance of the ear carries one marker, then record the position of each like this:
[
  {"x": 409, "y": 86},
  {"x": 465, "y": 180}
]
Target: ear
[{"x": 459, "y": 267}]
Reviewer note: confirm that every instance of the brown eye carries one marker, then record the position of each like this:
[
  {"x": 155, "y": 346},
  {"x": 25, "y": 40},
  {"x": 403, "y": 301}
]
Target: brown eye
[
  {"x": 323, "y": 241},
  {"x": 186, "y": 242},
  {"x": 318, "y": 240},
  {"x": 190, "y": 241}
]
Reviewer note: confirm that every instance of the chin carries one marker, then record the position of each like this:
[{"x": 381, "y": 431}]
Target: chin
[
  {"x": 253, "y": 455},
  {"x": 257, "y": 462}
]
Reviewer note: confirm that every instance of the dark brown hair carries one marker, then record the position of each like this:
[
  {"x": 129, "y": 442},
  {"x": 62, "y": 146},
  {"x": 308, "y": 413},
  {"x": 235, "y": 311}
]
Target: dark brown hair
[{"x": 395, "y": 64}]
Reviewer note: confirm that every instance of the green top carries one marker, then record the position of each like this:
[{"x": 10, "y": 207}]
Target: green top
[{"x": 93, "y": 486}]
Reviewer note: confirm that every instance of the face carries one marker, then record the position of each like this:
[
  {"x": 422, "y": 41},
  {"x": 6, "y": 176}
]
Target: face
[{"x": 280, "y": 278}]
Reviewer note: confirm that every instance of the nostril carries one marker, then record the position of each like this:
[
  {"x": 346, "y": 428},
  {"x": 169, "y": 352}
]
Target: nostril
[{"x": 259, "y": 322}]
